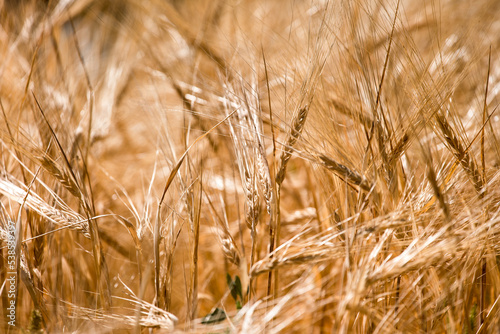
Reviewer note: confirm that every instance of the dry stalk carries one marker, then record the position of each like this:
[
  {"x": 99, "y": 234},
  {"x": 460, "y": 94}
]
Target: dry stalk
[
  {"x": 149, "y": 317},
  {"x": 343, "y": 108},
  {"x": 292, "y": 138},
  {"x": 86, "y": 203},
  {"x": 247, "y": 156},
  {"x": 194, "y": 200}
]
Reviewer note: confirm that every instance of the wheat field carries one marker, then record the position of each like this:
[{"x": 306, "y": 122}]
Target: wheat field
[{"x": 250, "y": 166}]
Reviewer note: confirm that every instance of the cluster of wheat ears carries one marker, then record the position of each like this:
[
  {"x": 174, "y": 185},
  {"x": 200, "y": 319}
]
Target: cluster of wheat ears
[{"x": 309, "y": 166}]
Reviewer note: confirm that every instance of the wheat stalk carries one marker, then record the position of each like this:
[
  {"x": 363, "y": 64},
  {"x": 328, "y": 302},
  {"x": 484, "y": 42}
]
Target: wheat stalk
[{"x": 343, "y": 108}]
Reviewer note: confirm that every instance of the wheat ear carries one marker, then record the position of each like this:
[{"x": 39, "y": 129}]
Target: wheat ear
[
  {"x": 293, "y": 136},
  {"x": 461, "y": 154},
  {"x": 345, "y": 173},
  {"x": 65, "y": 219},
  {"x": 62, "y": 176}
]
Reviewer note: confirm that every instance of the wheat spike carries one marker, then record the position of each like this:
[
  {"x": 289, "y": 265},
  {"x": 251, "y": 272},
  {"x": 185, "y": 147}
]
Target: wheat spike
[
  {"x": 292, "y": 137},
  {"x": 462, "y": 155},
  {"x": 66, "y": 218},
  {"x": 63, "y": 177},
  {"x": 345, "y": 173}
]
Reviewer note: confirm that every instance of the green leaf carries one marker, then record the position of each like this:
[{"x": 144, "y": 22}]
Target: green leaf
[
  {"x": 237, "y": 283},
  {"x": 233, "y": 288},
  {"x": 217, "y": 315}
]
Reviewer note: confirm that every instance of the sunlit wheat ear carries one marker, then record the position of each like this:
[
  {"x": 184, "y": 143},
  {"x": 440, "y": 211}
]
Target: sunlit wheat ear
[
  {"x": 254, "y": 131},
  {"x": 263, "y": 171},
  {"x": 57, "y": 172},
  {"x": 228, "y": 244},
  {"x": 297, "y": 126},
  {"x": 265, "y": 179},
  {"x": 66, "y": 218},
  {"x": 248, "y": 157},
  {"x": 461, "y": 154},
  {"x": 253, "y": 208}
]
